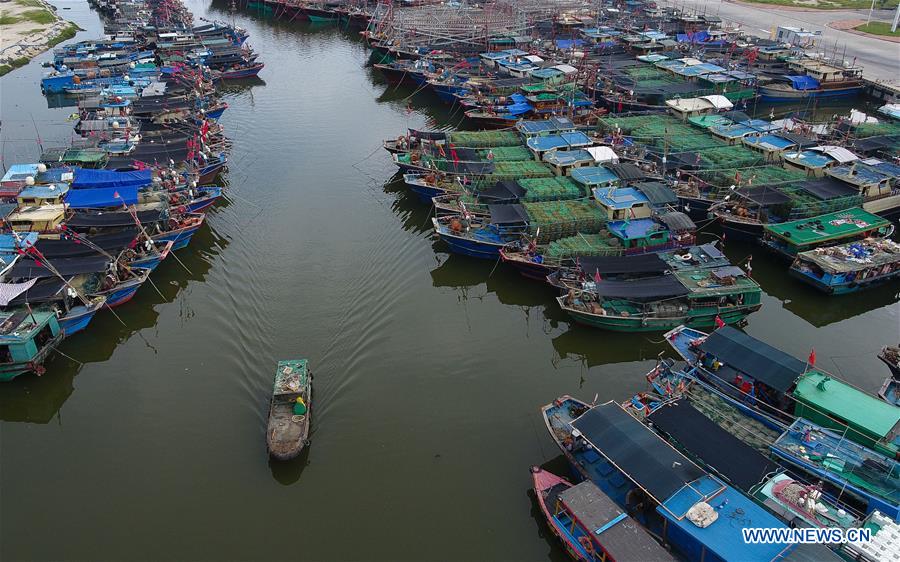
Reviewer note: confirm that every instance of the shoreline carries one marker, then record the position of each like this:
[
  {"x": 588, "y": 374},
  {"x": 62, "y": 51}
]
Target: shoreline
[{"x": 23, "y": 40}]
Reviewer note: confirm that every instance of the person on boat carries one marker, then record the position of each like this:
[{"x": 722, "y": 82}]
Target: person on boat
[{"x": 300, "y": 408}]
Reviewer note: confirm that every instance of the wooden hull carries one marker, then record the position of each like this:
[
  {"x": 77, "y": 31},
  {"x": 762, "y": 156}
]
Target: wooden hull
[{"x": 285, "y": 437}]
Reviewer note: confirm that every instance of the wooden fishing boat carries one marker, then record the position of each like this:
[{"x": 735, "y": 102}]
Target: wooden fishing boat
[
  {"x": 697, "y": 297},
  {"x": 781, "y": 386},
  {"x": 26, "y": 339},
  {"x": 590, "y": 525},
  {"x": 290, "y": 409},
  {"x": 847, "y": 268},
  {"x": 670, "y": 495}
]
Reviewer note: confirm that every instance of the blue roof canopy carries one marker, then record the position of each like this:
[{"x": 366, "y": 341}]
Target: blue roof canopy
[
  {"x": 102, "y": 197},
  {"x": 85, "y": 178}
]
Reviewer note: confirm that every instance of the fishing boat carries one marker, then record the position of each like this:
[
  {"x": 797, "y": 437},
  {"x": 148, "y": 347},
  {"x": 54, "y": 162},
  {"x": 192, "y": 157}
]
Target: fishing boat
[
  {"x": 590, "y": 525},
  {"x": 890, "y": 389},
  {"x": 845, "y": 464},
  {"x": 781, "y": 386},
  {"x": 697, "y": 297},
  {"x": 238, "y": 72},
  {"x": 290, "y": 409},
  {"x": 819, "y": 80},
  {"x": 847, "y": 268},
  {"x": 727, "y": 439},
  {"x": 26, "y": 339},
  {"x": 685, "y": 506},
  {"x": 788, "y": 239}
]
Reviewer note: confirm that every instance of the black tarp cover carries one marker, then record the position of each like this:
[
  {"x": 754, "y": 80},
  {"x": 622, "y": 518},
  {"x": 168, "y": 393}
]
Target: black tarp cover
[
  {"x": 616, "y": 265},
  {"x": 117, "y": 219},
  {"x": 657, "y": 192},
  {"x": 44, "y": 290},
  {"x": 508, "y": 214},
  {"x": 626, "y": 172},
  {"x": 651, "y": 288},
  {"x": 506, "y": 190},
  {"x": 799, "y": 140},
  {"x": 112, "y": 243},
  {"x": 738, "y": 462},
  {"x": 828, "y": 188},
  {"x": 428, "y": 135},
  {"x": 749, "y": 355},
  {"x": 638, "y": 452},
  {"x": 29, "y": 269},
  {"x": 677, "y": 221}
]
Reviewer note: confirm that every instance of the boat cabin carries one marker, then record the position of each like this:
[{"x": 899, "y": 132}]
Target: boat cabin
[
  {"x": 875, "y": 178},
  {"x": 814, "y": 161},
  {"x": 26, "y": 337},
  {"x": 545, "y": 127},
  {"x": 623, "y": 203},
  {"x": 40, "y": 195},
  {"x": 541, "y": 145},
  {"x": 773, "y": 146},
  {"x": 692, "y": 107},
  {"x": 37, "y": 219}
]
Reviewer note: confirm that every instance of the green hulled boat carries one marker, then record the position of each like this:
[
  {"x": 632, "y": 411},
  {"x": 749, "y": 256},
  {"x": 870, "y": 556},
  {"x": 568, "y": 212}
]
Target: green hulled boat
[
  {"x": 694, "y": 297},
  {"x": 26, "y": 338}
]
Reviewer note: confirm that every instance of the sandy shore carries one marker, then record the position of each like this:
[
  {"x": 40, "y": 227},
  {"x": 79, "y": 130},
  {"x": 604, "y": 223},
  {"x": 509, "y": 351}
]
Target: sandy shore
[{"x": 30, "y": 27}]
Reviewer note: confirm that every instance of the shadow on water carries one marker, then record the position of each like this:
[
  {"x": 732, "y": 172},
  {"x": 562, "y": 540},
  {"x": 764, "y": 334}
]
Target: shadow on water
[
  {"x": 37, "y": 399},
  {"x": 288, "y": 472}
]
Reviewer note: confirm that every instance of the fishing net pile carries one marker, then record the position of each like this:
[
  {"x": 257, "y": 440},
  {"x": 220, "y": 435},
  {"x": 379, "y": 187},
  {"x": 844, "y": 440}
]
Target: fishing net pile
[
  {"x": 485, "y": 139},
  {"x": 506, "y": 154},
  {"x": 554, "y": 188},
  {"x": 559, "y": 219},
  {"x": 593, "y": 245}
]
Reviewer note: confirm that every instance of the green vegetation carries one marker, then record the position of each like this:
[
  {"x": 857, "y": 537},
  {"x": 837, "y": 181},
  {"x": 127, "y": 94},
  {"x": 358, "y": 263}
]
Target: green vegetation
[
  {"x": 830, "y": 4},
  {"x": 6, "y": 19},
  {"x": 29, "y": 3},
  {"x": 39, "y": 16},
  {"x": 878, "y": 28},
  {"x": 65, "y": 35},
  {"x": 13, "y": 64}
]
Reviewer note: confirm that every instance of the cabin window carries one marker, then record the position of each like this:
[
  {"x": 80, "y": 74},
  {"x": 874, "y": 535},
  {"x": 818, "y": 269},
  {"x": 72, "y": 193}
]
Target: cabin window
[
  {"x": 5, "y": 355},
  {"x": 45, "y": 335}
]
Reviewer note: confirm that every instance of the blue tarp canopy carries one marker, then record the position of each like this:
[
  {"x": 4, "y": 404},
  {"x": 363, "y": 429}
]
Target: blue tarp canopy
[
  {"x": 518, "y": 98},
  {"x": 102, "y": 197},
  {"x": 109, "y": 178},
  {"x": 803, "y": 82},
  {"x": 565, "y": 44},
  {"x": 518, "y": 108}
]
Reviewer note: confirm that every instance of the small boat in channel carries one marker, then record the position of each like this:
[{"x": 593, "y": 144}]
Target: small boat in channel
[{"x": 289, "y": 410}]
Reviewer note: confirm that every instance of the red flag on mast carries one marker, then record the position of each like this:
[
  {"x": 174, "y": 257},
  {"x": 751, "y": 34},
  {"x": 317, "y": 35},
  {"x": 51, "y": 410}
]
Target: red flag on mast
[{"x": 812, "y": 358}]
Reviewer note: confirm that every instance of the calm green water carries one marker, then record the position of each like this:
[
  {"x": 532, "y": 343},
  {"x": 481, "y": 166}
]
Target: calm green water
[{"x": 149, "y": 442}]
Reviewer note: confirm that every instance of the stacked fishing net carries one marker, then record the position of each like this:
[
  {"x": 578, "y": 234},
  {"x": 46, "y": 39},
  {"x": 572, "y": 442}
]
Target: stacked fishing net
[
  {"x": 865, "y": 130},
  {"x": 804, "y": 205},
  {"x": 551, "y": 189},
  {"x": 485, "y": 139},
  {"x": 593, "y": 245},
  {"x": 559, "y": 219},
  {"x": 730, "y": 157},
  {"x": 628, "y": 124},
  {"x": 506, "y": 154},
  {"x": 516, "y": 170}
]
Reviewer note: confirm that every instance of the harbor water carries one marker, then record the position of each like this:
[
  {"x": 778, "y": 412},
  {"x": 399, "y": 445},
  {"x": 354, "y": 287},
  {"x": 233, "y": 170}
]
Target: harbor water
[{"x": 145, "y": 438}]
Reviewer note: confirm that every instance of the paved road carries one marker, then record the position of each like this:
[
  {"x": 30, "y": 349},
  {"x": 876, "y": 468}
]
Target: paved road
[{"x": 880, "y": 59}]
